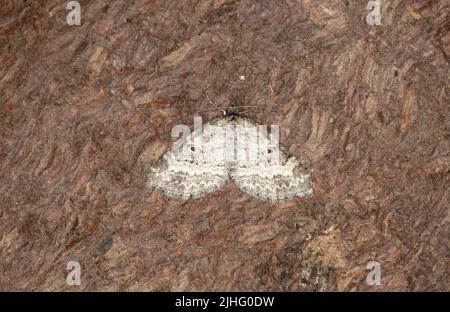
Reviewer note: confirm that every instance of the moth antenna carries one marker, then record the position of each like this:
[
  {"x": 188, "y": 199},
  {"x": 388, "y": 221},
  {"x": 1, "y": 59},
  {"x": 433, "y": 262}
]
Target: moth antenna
[
  {"x": 247, "y": 110},
  {"x": 250, "y": 107},
  {"x": 214, "y": 105}
]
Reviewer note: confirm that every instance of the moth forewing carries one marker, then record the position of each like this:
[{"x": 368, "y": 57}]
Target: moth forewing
[
  {"x": 214, "y": 144},
  {"x": 198, "y": 141},
  {"x": 181, "y": 147},
  {"x": 274, "y": 148},
  {"x": 230, "y": 144},
  {"x": 268, "y": 146}
]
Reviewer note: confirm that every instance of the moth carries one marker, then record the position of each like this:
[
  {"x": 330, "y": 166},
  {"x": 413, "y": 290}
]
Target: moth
[{"x": 229, "y": 148}]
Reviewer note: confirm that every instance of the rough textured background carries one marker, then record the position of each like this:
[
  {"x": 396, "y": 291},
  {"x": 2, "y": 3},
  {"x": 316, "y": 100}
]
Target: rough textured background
[{"x": 85, "y": 110}]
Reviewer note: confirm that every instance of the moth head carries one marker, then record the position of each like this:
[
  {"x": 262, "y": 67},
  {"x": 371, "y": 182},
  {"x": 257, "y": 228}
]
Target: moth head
[{"x": 231, "y": 112}]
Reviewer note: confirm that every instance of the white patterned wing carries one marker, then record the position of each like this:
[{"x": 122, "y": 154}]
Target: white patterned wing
[
  {"x": 275, "y": 183},
  {"x": 273, "y": 176},
  {"x": 191, "y": 170},
  {"x": 231, "y": 147}
]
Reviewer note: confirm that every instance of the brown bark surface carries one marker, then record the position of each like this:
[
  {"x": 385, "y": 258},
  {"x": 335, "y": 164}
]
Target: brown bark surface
[{"x": 85, "y": 110}]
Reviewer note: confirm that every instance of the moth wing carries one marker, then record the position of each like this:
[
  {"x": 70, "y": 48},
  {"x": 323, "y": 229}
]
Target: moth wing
[
  {"x": 193, "y": 167},
  {"x": 184, "y": 180},
  {"x": 275, "y": 183},
  {"x": 264, "y": 169}
]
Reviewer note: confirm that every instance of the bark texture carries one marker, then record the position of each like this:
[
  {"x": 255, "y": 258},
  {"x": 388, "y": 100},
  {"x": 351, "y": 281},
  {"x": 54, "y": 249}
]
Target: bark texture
[{"x": 85, "y": 110}]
